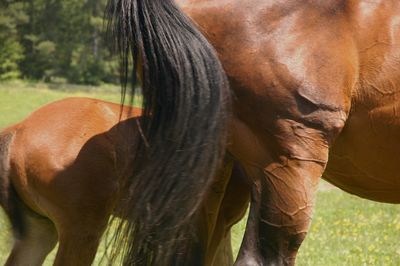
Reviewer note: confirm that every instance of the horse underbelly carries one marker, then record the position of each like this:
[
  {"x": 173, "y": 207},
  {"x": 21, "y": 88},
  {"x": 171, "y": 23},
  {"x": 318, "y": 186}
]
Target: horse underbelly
[{"x": 365, "y": 159}]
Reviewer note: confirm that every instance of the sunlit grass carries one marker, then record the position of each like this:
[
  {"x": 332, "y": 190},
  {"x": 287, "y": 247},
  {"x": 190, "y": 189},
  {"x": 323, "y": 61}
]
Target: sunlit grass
[
  {"x": 17, "y": 99},
  {"x": 347, "y": 230}
]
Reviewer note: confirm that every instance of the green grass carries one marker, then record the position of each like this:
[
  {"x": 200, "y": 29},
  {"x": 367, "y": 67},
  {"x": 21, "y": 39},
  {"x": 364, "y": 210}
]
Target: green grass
[
  {"x": 17, "y": 99},
  {"x": 346, "y": 230}
]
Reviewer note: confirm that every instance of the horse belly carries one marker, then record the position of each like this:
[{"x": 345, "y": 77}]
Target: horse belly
[{"x": 365, "y": 159}]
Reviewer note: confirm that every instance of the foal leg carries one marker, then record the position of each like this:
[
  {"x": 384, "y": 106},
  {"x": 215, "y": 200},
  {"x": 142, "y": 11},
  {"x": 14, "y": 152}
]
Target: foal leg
[
  {"x": 224, "y": 254},
  {"x": 214, "y": 243},
  {"x": 233, "y": 208},
  {"x": 32, "y": 248},
  {"x": 79, "y": 240},
  {"x": 210, "y": 217}
]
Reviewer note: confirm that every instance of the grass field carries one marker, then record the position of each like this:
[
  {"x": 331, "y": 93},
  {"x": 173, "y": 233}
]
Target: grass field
[{"x": 346, "y": 230}]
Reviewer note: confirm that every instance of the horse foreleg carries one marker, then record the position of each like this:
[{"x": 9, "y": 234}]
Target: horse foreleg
[{"x": 39, "y": 239}]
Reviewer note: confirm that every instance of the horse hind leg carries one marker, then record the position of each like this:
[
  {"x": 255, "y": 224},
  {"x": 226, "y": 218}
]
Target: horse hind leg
[
  {"x": 39, "y": 239},
  {"x": 280, "y": 214},
  {"x": 284, "y": 180}
]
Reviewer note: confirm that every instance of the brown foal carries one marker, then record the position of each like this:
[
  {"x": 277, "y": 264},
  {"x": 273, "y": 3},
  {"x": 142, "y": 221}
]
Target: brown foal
[{"x": 61, "y": 171}]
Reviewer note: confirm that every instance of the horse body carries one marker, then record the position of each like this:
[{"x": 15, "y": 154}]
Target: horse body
[
  {"x": 61, "y": 177},
  {"x": 312, "y": 80},
  {"x": 364, "y": 159},
  {"x": 294, "y": 58}
]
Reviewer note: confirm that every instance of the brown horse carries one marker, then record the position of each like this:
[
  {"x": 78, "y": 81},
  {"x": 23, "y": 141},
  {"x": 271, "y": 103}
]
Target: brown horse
[
  {"x": 315, "y": 89},
  {"x": 61, "y": 171}
]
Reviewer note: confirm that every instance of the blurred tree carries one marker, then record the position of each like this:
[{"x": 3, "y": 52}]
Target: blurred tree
[
  {"x": 55, "y": 40},
  {"x": 91, "y": 61},
  {"x": 11, "y": 51}
]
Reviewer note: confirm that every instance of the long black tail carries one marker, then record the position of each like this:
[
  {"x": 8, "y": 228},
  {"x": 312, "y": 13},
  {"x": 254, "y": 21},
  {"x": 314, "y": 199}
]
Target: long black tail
[
  {"x": 9, "y": 200},
  {"x": 185, "y": 101}
]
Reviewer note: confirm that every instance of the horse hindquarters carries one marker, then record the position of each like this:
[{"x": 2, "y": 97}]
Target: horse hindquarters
[
  {"x": 66, "y": 187},
  {"x": 35, "y": 235},
  {"x": 8, "y": 197}
]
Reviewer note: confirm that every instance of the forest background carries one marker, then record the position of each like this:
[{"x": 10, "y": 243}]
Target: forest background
[{"x": 58, "y": 41}]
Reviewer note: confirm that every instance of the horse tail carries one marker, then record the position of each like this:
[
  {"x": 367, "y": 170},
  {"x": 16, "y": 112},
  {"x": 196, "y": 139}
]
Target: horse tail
[
  {"x": 183, "y": 128},
  {"x": 9, "y": 199}
]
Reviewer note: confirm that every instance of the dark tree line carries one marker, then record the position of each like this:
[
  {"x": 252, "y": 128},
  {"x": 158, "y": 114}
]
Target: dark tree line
[{"x": 55, "y": 40}]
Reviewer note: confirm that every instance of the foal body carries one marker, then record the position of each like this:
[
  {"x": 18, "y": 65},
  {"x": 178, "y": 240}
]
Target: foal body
[{"x": 62, "y": 173}]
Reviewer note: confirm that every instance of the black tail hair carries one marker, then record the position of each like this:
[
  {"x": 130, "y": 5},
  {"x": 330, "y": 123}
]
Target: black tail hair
[
  {"x": 185, "y": 101},
  {"x": 9, "y": 199}
]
